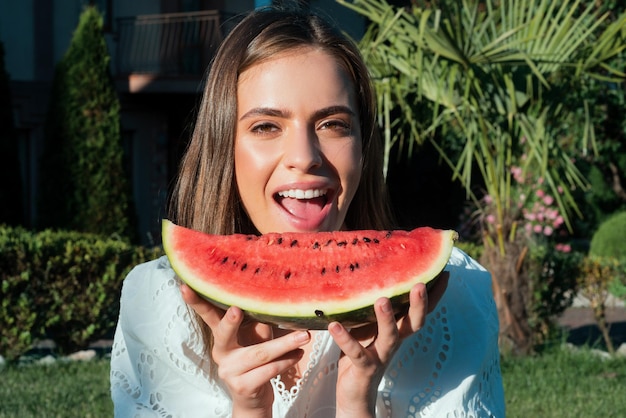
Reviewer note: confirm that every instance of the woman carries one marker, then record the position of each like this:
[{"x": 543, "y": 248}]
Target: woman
[{"x": 286, "y": 141}]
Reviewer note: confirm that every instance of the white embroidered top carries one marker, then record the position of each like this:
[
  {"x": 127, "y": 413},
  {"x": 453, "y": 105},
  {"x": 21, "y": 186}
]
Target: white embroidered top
[{"x": 450, "y": 368}]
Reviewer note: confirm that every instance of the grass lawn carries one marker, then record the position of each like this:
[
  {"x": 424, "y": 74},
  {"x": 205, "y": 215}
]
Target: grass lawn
[
  {"x": 64, "y": 389},
  {"x": 563, "y": 383},
  {"x": 557, "y": 383}
]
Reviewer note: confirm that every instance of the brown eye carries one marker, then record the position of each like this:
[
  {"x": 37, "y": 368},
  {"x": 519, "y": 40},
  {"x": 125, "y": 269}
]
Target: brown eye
[
  {"x": 337, "y": 127},
  {"x": 264, "y": 128}
]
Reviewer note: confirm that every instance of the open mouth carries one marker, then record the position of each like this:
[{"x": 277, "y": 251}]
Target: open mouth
[{"x": 304, "y": 204}]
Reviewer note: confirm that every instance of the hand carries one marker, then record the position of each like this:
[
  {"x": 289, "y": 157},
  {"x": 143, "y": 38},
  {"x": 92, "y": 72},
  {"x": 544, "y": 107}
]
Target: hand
[
  {"x": 368, "y": 350},
  {"x": 246, "y": 354}
]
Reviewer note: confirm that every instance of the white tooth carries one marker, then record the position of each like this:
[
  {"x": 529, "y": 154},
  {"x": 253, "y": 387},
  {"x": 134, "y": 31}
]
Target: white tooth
[{"x": 302, "y": 194}]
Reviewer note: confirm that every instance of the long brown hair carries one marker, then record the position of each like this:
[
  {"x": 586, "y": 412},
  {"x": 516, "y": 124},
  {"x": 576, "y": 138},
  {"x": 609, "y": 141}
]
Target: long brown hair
[{"x": 205, "y": 197}]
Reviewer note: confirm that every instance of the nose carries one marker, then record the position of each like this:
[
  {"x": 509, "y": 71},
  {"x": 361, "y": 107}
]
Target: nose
[{"x": 302, "y": 150}]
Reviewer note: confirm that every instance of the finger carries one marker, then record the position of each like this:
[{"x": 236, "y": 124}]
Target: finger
[
  {"x": 388, "y": 336},
  {"x": 350, "y": 347},
  {"x": 418, "y": 308},
  {"x": 225, "y": 335},
  {"x": 209, "y": 313},
  {"x": 273, "y": 355},
  {"x": 246, "y": 382}
]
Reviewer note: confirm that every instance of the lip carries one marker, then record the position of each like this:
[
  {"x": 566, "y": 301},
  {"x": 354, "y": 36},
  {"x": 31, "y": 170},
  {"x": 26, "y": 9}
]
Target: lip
[{"x": 306, "y": 224}]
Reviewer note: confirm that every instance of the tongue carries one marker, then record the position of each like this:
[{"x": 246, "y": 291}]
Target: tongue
[{"x": 304, "y": 208}]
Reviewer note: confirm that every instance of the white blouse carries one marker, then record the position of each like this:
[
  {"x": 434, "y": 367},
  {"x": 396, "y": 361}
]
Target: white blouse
[{"x": 450, "y": 368}]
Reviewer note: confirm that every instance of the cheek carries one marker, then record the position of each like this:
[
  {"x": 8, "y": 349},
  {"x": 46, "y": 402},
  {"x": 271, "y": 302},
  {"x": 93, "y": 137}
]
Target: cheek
[
  {"x": 351, "y": 167},
  {"x": 246, "y": 165}
]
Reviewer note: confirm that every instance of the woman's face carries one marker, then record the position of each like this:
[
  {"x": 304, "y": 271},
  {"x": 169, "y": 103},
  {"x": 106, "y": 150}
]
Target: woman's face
[{"x": 298, "y": 142}]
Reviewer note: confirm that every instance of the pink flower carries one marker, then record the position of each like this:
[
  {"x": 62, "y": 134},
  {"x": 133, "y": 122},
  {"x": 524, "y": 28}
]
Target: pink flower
[
  {"x": 517, "y": 174},
  {"x": 558, "y": 222},
  {"x": 547, "y": 231},
  {"x": 548, "y": 200},
  {"x": 552, "y": 214},
  {"x": 491, "y": 219},
  {"x": 530, "y": 216},
  {"x": 537, "y": 229},
  {"x": 488, "y": 199},
  {"x": 539, "y": 193},
  {"x": 564, "y": 248}
]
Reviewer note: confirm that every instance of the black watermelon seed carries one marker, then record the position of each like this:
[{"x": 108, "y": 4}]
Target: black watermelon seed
[
  {"x": 355, "y": 241},
  {"x": 376, "y": 241},
  {"x": 388, "y": 235},
  {"x": 280, "y": 240},
  {"x": 323, "y": 271},
  {"x": 352, "y": 267},
  {"x": 257, "y": 270},
  {"x": 337, "y": 269},
  {"x": 316, "y": 245},
  {"x": 287, "y": 275},
  {"x": 224, "y": 260},
  {"x": 342, "y": 243},
  {"x": 319, "y": 313},
  {"x": 294, "y": 243},
  {"x": 244, "y": 267},
  {"x": 366, "y": 239}
]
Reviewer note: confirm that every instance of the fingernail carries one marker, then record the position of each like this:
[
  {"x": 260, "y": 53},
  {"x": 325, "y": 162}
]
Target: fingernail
[
  {"x": 335, "y": 327},
  {"x": 301, "y": 336},
  {"x": 386, "y": 306},
  {"x": 232, "y": 313}
]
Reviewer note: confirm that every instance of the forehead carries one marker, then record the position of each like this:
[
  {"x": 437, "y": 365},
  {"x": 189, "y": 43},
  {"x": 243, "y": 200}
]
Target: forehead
[{"x": 305, "y": 73}]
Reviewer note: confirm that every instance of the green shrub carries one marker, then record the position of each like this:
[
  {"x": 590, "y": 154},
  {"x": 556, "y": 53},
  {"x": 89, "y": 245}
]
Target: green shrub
[
  {"x": 608, "y": 243},
  {"x": 62, "y": 285},
  {"x": 608, "y": 240},
  {"x": 553, "y": 276},
  {"x": 17, "y": 319}
]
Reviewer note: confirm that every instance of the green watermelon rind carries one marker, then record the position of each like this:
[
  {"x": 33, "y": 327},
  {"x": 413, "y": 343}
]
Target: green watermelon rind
[{"x": 314, "y": 314}]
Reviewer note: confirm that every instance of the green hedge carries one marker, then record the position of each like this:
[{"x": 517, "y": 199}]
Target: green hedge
[{"x": 62, "y": 285}]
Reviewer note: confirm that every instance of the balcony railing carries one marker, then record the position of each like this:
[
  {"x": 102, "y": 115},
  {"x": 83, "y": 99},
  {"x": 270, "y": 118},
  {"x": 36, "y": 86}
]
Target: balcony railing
[{"x": 170, "y": 45}]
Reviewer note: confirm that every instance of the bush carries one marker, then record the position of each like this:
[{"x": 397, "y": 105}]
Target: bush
[
  {"x": 607, "y": 243},
  {"x": 62, "y": 285},
  {"x": 608, "y": 240},
  {"x": 553, "y": 276}
]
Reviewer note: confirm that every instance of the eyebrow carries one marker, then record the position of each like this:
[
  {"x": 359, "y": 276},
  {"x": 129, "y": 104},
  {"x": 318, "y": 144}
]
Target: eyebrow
[{"x": 280, "y": 113}]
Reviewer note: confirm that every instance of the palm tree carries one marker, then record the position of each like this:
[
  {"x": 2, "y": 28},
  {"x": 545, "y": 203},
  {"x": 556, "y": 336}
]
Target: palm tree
[{"x": 484, "y": 82}]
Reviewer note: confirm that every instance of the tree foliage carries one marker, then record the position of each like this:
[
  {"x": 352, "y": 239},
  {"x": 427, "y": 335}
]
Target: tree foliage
[
  {"x": 490, "y": 84},
  {"x": 84, "y": 186}
]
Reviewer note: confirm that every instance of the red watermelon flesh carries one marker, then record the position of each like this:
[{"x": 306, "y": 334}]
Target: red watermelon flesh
[{"x": 306, "y": 280}]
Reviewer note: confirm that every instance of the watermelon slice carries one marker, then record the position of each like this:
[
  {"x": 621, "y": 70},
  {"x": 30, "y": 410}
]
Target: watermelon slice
[{"x": 306, "y": 280}]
